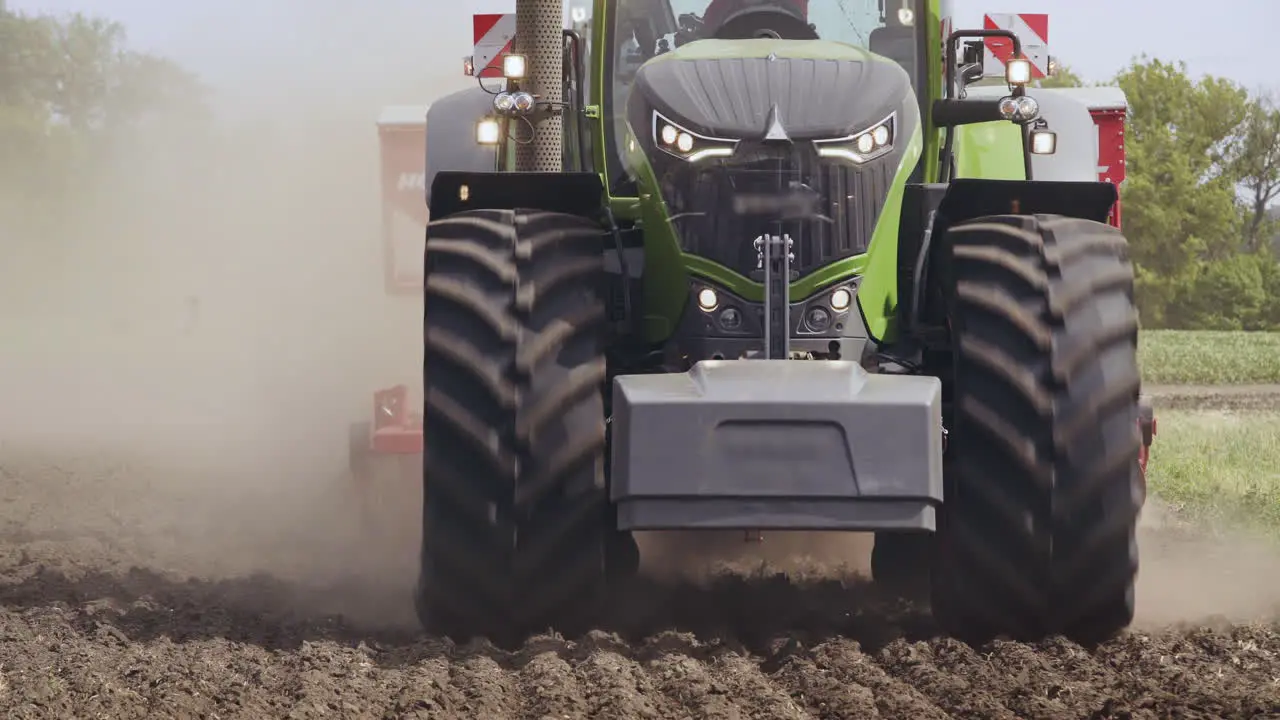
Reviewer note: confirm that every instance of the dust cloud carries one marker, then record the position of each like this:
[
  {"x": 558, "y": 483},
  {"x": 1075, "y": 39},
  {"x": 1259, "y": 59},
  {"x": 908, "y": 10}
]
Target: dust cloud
[
  {"x": 700, "y": 555},
  {"x": 182, "y": 364},
  {"x": 1189, "y": 575}
]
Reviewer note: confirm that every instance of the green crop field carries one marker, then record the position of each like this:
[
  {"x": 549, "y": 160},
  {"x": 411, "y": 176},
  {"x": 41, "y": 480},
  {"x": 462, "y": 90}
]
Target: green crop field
[
  {"x": 1197, "y": 357},
  {"x": 1219, "y": 468}
]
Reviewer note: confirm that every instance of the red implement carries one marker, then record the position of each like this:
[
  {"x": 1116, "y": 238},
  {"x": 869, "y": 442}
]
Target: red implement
[{"x": 387, "y": 447}]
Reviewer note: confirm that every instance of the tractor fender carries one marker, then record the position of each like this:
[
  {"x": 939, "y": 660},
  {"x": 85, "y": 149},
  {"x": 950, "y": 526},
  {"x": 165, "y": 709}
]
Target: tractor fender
[
  {"x": 930, "y": 210},
  {"x": 967, "y": 199},
  {"x": 451, "y": 135},
  {"x": 571, "y": 193}
]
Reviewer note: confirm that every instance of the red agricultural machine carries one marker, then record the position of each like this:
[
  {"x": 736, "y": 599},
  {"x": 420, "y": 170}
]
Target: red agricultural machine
[{"x": 385, "y": 451}]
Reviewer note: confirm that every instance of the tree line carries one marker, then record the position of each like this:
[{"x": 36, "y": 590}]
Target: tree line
[
  {"x": 1203, "y": 166},
  {"x": 1203, "y": 159},
  {"x": 72, "y": 96}
]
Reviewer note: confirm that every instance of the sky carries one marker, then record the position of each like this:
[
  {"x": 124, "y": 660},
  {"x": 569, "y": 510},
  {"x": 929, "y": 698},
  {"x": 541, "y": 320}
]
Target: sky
[{"x": 225, "y": 39}]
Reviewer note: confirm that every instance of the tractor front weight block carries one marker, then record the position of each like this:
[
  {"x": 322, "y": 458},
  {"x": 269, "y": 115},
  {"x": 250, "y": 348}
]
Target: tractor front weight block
[{"x": 777, "y": 444}]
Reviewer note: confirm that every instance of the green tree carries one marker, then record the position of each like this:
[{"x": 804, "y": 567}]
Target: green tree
[
  {"x": 70, "y": 91},
  {"x": 99, "y": 84},
  {"x": 1229, "y": 294},
  {"x": 1180, "y": 199},
  {"x": 1257, "y": 169},
  {"x": 26, "y": 52}
]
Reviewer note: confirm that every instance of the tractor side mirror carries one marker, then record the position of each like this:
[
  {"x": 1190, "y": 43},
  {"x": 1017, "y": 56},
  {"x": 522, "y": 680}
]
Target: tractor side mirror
[
  {"x": 965, "y": 67},
  {"x": 973, "y": 53},
  {"x": 970, "y": 63}
]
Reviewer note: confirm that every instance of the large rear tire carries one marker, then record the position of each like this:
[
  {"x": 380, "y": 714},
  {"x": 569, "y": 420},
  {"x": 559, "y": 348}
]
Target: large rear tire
[
  {"x": 1037, "y": 535},
  {"x": 517, "y": 523}
]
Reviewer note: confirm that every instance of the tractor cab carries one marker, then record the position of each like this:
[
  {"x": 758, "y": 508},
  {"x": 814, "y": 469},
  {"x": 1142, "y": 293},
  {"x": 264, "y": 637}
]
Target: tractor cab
[{"x": 640, "y": 31}]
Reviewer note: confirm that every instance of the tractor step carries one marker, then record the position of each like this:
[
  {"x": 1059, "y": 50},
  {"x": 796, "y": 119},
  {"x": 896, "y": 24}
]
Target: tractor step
[{"x": 777, "y": 444}]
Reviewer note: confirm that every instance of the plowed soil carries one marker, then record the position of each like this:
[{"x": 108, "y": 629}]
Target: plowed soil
[
  {"x": 125, "y": 593},
  {"x": 1218, "y": 397}
]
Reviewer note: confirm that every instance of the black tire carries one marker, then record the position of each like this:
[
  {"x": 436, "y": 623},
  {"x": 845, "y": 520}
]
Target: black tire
[
  {"x": 1037, "y": 536},
  {"x": 516, "y": 519},
  {"x": 901, "y": 563}
]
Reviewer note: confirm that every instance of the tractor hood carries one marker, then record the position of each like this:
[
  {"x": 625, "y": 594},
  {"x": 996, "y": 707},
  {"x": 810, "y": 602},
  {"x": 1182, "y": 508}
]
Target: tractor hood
[
  {"x": 770, "y": 130},
  {"x": 737, "y": 89}
]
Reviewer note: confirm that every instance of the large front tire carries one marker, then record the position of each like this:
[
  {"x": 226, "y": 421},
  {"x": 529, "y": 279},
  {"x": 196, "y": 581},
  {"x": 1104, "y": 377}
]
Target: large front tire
[
  {"x": 1038, "y": 531},
  {"x": 517, "y": 523}
]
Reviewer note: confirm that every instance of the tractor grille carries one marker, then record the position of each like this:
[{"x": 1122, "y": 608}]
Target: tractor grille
[{"x": 719, "y": 207}]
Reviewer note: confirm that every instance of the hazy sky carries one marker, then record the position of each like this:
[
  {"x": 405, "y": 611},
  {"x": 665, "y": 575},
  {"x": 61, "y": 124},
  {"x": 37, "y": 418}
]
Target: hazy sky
[{"x": 222, "y": 38}]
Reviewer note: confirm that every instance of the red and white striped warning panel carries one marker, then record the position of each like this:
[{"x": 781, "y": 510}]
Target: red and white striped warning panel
[
  {"x": 493, "y": 35},
  {"x": 1032, "y": 29}
]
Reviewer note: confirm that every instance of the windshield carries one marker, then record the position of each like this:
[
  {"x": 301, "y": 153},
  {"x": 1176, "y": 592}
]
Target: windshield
[{"x": 643, "y": 29}]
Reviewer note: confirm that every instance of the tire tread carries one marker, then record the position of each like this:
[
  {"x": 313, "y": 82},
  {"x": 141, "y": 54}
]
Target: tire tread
[
  {"x": 1038, "y": 533},
  {"x": 513, "y": 371}
]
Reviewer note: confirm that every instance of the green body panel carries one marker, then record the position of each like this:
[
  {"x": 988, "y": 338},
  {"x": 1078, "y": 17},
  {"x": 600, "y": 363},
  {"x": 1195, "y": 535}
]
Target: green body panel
[
  {"x": 937, "y": 10},
  {"x": 991, "y": 150},
  {"x": 878, "y": 295},
  {"x": 666, "y": 281}
]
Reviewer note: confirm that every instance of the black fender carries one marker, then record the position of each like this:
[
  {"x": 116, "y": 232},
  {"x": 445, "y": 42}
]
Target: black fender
[
  {"x": 968, "y": 199},
  {"x": 929, "y": 210},
  {"x": 573, "y": 193}
]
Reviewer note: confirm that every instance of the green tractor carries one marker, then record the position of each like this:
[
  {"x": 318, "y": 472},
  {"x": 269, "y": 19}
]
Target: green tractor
[{"x": 768, "y": 265}]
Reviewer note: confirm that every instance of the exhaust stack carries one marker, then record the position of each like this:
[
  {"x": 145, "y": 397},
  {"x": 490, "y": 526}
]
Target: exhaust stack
[{"x": 540, "y": 38}]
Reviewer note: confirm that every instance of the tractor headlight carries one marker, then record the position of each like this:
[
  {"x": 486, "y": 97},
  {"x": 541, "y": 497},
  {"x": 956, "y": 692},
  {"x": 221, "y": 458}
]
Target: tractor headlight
[
  {"x": 818, "y": 319},
  {"x": 1018, "y": 71},
  {"x": 488, "y": 132},
  {"x": 524, "y": 102},
  {"x": 514, "y": 103},
  {"x": 730, "y": 319},
  {"x": 1022, "y": 109},
  {"x": 828, "y": 311},
  {"x": 513, "y": 67},
  {"x": 687, "y": 145},
  {"x": 720, "y": 312},
  {"x": 862, "y": 147},
  {"x": 841, "y": 299},
  {"x": 708, "y": 300},
  {"x": 1043, "y": 140},
  {"x": 504, "y": 103}
]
